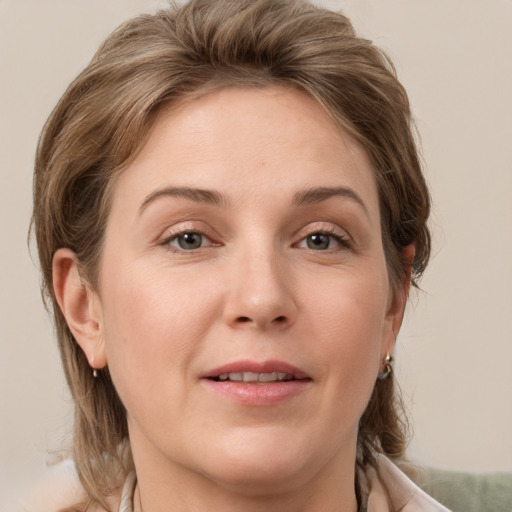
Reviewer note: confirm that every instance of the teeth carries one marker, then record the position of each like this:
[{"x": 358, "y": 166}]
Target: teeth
[
  {"x": 267, "y": 377},
  {"x": 255, "y": 377}
]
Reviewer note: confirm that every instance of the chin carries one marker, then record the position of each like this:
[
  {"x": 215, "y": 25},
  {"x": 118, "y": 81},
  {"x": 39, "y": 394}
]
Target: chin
[
  {"x": 261, "y": 464},
  {"x": 265, "y": 478}
]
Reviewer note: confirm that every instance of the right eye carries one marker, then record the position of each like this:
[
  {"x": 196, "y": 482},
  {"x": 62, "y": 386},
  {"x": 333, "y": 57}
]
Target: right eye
[{"x": 188, "y": 241}]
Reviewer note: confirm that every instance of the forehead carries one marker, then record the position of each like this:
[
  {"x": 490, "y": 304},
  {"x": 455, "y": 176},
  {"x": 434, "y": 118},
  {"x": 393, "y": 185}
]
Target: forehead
[
  {"x": 259, "y": 115},
  {"x": 241, "y": 137}
]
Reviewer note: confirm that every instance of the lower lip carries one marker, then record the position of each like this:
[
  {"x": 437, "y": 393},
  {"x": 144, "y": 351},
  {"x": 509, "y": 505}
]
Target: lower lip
[{"x": 263, "y": 394}]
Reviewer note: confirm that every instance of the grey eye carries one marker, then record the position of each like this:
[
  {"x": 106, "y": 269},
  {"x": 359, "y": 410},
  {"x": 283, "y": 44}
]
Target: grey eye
[
  {"x": 188, "y": 241},
  {"x": 318, "y": 241}
]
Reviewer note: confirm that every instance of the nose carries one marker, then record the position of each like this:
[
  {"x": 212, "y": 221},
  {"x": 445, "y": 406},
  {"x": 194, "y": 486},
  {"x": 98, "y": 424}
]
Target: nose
[{"x": 260, "y": 293}]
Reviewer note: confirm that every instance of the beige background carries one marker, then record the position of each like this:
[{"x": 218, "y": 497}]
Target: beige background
[{"x": 455, "y": 355}]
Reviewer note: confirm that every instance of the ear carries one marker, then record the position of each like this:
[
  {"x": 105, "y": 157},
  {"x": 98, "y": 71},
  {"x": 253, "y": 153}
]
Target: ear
[
  {"x": 80, "y": 306},
  {"x": 397, "y": 303}
]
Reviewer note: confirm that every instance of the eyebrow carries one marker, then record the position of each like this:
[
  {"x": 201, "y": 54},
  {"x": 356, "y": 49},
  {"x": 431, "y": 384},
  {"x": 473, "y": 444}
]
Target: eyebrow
[
  {"x": 319, "y": 194},
  {"x": 198, "y": 195},
  {"x": 212, "y": 197}
]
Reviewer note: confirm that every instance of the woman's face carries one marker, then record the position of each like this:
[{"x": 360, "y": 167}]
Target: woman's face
[{"x": 244, "y": 301}]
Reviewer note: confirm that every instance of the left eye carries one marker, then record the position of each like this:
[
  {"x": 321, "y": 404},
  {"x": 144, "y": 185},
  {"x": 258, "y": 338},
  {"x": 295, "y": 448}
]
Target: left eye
[
  {"x": 189, "y": 241},
  {"x": 321, "y": 241}
]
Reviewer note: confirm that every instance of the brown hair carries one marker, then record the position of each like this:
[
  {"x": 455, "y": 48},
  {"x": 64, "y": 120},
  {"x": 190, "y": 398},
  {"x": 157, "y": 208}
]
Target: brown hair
[{"x": 102, "y": 121}]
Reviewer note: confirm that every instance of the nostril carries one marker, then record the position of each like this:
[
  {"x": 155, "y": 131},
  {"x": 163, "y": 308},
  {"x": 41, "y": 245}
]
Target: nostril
[{"x": 278, "y": 320}]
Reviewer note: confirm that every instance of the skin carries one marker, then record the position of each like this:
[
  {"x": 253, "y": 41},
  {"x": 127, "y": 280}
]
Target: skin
[{"x": 257, "y": 288}]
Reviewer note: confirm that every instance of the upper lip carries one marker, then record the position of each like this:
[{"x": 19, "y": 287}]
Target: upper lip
[{"x": 257, "y": 367}]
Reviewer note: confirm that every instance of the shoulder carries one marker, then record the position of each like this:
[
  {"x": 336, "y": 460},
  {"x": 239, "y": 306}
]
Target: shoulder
[
  {"x": 387, "y": 486},
  {"x": 56, "y": 489}
]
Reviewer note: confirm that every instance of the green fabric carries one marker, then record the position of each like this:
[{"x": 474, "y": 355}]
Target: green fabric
[{"x": 469, "y": 492}]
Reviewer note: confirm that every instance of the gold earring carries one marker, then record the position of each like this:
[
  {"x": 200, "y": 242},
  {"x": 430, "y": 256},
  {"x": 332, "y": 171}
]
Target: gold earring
[{"x": 388, "y": 366}]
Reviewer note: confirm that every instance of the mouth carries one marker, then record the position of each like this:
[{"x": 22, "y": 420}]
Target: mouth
[
  {"x": 254, "y": 384},
  {"x": 251, "y": 383}
]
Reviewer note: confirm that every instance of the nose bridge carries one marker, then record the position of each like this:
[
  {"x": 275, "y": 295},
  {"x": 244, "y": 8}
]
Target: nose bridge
[{"x": 261, "y": 289}]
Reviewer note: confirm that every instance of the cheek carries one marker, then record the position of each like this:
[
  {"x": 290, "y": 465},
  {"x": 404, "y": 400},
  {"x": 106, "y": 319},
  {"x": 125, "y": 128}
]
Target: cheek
[
  {"x": 350, "y": 306},
  {"x": 350, "y": 325},
  {"x": 154, "y": 324}
]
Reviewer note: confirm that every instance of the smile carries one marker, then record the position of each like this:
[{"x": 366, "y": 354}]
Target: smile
[{"x": 252, "y": 383}]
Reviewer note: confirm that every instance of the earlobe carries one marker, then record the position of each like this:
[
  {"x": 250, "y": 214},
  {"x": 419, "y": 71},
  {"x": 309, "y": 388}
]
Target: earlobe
[{"x": 80, "y": 306}]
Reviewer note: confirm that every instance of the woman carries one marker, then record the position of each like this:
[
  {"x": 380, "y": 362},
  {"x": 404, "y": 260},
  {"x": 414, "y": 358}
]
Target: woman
[{"x": 229, "y": 210}]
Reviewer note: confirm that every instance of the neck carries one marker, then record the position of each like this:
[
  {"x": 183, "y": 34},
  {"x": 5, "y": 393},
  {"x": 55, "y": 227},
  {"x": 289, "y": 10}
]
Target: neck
[
  {"x": 149, "y": 498},
  {"x": 165, "y": 486}
]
